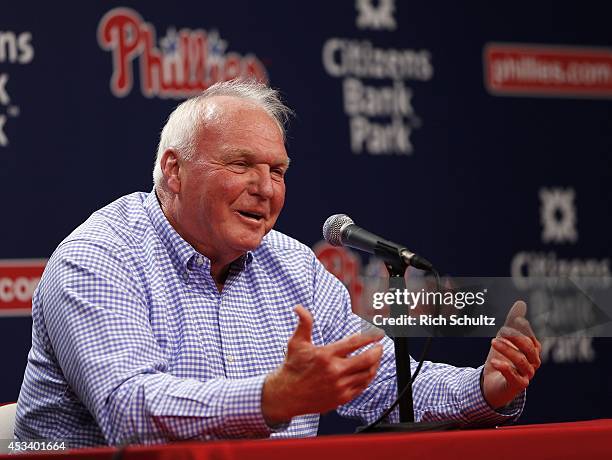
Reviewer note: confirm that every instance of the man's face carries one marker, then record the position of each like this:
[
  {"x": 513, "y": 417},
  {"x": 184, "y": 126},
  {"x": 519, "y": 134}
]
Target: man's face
[{"x": 232, "y": 189}]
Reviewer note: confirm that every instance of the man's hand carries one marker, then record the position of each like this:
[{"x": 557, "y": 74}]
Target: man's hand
[
  {"x": 513, "y": 359},
  {"x": 318, "y": 379}
]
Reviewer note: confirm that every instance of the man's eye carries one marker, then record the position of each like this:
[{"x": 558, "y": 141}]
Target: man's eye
[
  {"x": 278, "y": 172},
  {"x": 239, "y": 165}
]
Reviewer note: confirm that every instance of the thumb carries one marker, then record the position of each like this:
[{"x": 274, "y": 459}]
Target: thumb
[
  {"x": 518, "y": 310},
  {"x": 303, "y": 331},
  {"x": 516, "y": 321}
]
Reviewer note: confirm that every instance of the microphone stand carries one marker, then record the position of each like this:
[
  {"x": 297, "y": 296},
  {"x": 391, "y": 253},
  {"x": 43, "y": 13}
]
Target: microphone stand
[{"x": 396, "y": 267}]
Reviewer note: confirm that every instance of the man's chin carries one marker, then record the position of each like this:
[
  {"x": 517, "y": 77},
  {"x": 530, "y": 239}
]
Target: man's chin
[{"x": 250, "y": 244}]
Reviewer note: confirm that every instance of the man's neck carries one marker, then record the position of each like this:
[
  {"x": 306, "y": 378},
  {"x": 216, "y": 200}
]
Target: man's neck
[
  {"x": 219, "y": 274},
  {"x": 219, "y": 268}
]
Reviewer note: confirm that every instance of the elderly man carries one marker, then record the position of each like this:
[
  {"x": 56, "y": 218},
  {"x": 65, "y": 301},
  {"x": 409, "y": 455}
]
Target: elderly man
[{"x": 181, "y": 314}]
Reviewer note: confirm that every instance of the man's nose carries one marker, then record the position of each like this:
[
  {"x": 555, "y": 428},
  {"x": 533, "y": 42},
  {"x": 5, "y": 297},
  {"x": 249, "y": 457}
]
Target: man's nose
[{"x": 261, "y": 182}]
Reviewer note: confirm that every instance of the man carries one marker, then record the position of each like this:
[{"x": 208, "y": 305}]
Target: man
[{"x": 181, "y": 314}]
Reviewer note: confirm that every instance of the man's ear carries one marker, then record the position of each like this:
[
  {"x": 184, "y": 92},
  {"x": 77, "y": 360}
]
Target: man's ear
[{"x": 170, "y": 167}]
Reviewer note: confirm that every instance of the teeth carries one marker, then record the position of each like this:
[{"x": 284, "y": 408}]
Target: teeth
[{"x": 249, "y": 215}]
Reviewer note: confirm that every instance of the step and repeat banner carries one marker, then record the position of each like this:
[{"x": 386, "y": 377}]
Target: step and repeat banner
[{"x": 480, "y": 136}]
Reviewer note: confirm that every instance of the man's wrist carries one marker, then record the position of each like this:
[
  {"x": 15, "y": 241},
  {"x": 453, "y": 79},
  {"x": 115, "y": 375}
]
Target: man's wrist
[
  {"x": 484, "y": 395},
  {"x": 511, "y": 410},
  {"x": 273, "y": 406}
]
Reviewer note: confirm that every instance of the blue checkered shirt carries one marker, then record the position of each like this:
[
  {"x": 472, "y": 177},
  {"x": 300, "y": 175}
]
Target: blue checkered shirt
[{"x": 133, "y": 343}]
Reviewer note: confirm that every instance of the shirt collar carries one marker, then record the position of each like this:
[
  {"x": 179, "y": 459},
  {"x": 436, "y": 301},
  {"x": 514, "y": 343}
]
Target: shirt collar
[{"x": 182, "y": 254}]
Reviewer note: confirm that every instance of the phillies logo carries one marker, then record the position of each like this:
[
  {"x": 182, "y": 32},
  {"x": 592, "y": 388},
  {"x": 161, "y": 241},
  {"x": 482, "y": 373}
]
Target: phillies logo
[
  {"x": 18, "y": 279},
  {"x": 345, "y": 266},
  {"x": 185, "y": 63}
]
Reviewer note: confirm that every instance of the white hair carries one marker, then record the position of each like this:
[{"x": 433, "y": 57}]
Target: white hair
[{"x": 180, "y": 131}]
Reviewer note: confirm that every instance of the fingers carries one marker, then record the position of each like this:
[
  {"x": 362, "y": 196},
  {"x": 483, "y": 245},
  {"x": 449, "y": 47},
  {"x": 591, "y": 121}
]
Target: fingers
[
  {"x": 519, "y": 333},
  {"x": 515, "y": 357},
  {"x": 525, "y": 345},
  {"x": 359, "y": 381},
  {"x": 353, "y": 343},
  {"x": 522, "y": 325},
  {"x": 513, "y": 360},
  {"x": 303, "y": 331},
  {"x": 538, "y": 347},
  {"x": 350, "y": 385},
  {"x": 363, "y": 361},
  {"x": 295, "y": 388},
  {"x": 513, "y": 378}
]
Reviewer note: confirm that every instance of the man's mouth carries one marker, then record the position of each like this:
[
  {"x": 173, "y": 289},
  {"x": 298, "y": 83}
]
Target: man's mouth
[{"x": 251, "y": 215}]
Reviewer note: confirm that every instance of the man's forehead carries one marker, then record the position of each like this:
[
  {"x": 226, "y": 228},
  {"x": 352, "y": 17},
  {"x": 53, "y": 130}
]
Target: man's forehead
[
  {"x": 231, "y": 112},
  {"x": 219, "y": 107},
  {"x": 226, "y": 116},
  {"x": 234, "y": 128}
]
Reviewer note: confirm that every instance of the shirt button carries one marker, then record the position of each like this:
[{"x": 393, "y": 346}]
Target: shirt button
[
  {"x": 199, "y": 261},
  {"x": 230, "y": 358}
]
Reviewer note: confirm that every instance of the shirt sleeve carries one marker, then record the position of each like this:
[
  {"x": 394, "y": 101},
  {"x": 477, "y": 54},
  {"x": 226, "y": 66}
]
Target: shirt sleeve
[
  {"x": 97, "y": 319},
  {"x": 441, "y": 392}
]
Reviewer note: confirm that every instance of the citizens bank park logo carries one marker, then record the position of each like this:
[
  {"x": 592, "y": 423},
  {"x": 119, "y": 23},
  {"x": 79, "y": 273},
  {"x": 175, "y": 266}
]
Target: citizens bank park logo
[
  {"x": 18, "y": 279},
  {"x": 547, "y": 70},
  {"x": 559, "y": 227},
  {"x": 377, "y": 91},
  {"x": 16, "y": 49},
  {"x": 185, "y": 63}
]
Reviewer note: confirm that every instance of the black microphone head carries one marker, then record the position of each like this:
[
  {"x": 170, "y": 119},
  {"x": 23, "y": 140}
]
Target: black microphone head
[{"x": 332, "y": 228}]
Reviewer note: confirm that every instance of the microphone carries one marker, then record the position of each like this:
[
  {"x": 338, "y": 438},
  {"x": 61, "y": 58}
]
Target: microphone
[{"x": 340, "y": 230}]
